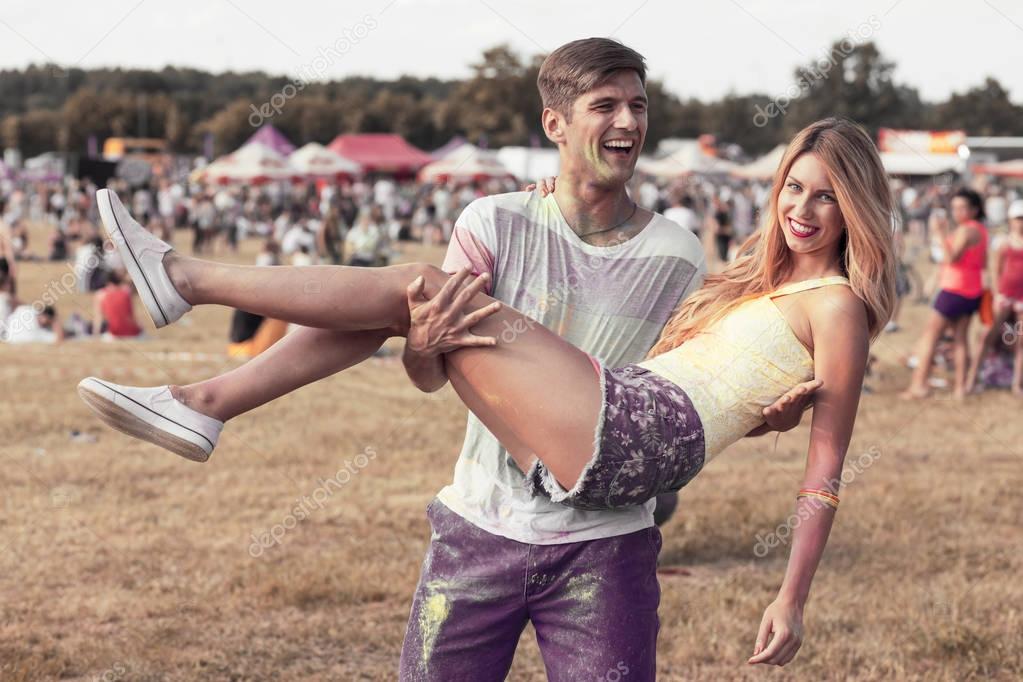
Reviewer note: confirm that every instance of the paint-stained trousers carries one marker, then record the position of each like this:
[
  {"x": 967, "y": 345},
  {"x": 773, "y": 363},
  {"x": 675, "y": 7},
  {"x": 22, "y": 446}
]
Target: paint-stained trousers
[{"x": 593, "y": 605}]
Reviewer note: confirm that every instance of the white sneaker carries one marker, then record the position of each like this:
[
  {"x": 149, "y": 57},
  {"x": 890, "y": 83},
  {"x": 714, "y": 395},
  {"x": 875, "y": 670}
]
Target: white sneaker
[
  {"x": 153, "y": 415},
  {"x": 142, "y": 254}
]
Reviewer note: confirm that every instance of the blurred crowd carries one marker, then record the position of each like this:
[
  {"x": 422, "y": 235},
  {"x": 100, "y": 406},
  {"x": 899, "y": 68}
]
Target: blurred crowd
[{"x": 363, "y": 223}]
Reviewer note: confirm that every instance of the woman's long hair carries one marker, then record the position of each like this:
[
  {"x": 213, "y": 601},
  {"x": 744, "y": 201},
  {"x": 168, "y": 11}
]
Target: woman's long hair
[{"x": 764, "y": 261}]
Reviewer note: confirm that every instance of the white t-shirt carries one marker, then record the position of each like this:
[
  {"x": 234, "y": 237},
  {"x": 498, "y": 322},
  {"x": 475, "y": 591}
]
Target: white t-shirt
[
  {"x": 295, "y": 238},
  {"x": 610, "y": 301},
  {"x": 22, "y": 326}
]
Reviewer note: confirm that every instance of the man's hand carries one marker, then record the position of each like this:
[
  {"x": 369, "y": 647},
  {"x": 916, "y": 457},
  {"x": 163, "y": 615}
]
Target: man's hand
[
  {"x": 787, "y": 411},
  {"x": 441, "y": 324}
]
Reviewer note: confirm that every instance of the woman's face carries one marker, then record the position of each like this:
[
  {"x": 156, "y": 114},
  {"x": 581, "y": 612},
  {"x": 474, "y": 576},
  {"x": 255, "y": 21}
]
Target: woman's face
[
  {"x": 962, "y": 210},
  {"x": 808, "y": 209}
]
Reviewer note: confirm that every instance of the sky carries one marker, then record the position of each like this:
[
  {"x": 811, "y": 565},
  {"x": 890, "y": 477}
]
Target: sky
[{"x": 702, "y": 49}]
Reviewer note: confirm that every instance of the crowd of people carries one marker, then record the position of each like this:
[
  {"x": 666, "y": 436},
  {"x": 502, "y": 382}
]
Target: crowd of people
[{"x": 361, "y": 223}]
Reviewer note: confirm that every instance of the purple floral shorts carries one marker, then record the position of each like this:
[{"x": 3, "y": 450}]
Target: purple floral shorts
[{"x": 649, "y": 441}]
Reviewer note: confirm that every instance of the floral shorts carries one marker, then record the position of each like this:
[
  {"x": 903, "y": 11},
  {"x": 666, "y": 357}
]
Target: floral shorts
[{"x": 649, "y": 441}]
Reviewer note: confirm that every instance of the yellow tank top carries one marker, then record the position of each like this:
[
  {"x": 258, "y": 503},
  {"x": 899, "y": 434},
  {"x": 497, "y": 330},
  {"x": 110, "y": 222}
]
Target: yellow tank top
[{"x": 739, "y": 365}]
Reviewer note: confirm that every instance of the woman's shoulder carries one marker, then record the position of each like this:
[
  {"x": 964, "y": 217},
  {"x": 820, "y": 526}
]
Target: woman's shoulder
[{"x": 836, "y": 306}]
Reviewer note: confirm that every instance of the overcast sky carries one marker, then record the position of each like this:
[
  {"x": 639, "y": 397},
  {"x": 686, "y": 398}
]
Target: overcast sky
[{"x": 702, "y": 48}]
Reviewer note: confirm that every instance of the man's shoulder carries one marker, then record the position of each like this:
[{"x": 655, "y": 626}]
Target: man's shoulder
[
  {"x": 516, "y": 201},
  {"x": 671, "y": 239}
]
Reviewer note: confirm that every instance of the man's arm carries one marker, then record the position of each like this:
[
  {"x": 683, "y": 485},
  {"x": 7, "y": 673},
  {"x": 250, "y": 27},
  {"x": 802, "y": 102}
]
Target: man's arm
[
  {"x": 787, "y": 411},
  {"x": 469, "y": 249}
]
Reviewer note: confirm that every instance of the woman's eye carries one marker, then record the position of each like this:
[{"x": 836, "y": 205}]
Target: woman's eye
[
  {"x": 794, "y": 187},
  {"x": 828, "y": 198}
]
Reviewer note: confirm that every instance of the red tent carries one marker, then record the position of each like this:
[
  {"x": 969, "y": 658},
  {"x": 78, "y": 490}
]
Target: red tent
[{"x": 380, "y": 153}]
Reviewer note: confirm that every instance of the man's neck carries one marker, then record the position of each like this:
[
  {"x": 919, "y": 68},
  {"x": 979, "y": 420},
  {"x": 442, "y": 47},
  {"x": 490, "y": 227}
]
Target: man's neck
[{"x": 588, "y": 207}]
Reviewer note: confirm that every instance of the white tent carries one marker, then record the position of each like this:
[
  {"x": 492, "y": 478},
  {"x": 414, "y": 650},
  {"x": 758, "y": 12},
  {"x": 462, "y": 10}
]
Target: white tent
[
  {"x": 315, "y": 160},
  {"x": 764, "y": 167},
  {"x": 530, "y": 163},
  {"x": 465, "y": 162},
  {"x": 252, "y": 163},
  {"x": 920, "y": 163},
  {"x": 687, "y": 159}
]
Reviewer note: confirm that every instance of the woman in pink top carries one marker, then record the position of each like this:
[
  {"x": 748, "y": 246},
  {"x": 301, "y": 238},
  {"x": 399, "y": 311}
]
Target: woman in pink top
[
  {"x": 1008, "y": 276},
  {"x": 113, "y": 311},
  {"x": 961, "y": 288}
]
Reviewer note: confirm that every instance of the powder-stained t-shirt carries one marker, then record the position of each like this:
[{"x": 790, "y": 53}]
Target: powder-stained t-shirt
[{"x": 610, "y": 301}]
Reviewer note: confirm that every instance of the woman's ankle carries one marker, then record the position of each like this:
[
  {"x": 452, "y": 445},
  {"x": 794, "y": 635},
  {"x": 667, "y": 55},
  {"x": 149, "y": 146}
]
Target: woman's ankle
[
  {"x": 200, "y": 399},
  {"x": 181, "y": 273}
]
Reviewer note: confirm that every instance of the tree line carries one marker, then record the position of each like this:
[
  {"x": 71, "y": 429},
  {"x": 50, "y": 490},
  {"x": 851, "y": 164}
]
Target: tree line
[{"x": 45, "y": 107}]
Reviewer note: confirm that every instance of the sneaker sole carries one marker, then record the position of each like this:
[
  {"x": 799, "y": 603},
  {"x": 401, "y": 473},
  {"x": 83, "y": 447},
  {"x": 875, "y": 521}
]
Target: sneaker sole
[
  {"x": 117, "y": 417},
  {"x": 113, "y": 229}
]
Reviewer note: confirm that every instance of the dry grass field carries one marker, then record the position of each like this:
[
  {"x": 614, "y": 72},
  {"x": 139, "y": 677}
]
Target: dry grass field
[{"x": 119, "y": 561}]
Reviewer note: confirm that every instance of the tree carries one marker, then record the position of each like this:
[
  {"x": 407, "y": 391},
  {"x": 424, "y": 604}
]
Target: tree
[
  {"x": 983, "y": 110},
  {"x": 853, "y": 81}
]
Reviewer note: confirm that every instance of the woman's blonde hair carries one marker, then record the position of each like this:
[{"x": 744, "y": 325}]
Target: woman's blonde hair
[{"x": 764, "y": 261}]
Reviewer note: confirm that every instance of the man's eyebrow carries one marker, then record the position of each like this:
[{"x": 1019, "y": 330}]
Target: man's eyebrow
[{"x": 608, "y": 99}]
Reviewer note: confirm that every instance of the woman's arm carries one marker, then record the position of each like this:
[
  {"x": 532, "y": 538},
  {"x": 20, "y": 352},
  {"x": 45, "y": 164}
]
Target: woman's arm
[
  {"x": 962, "y": 238},
  {"x": 838, "y": 322},
  {"x": 999, "y": 264}
]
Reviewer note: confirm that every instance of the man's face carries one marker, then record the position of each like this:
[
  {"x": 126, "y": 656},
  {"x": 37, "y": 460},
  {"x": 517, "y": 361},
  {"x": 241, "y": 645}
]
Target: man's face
[{"x": 607, "y": 129}]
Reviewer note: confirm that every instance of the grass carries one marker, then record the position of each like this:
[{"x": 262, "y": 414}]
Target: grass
[{"x": 120, "y": 561}]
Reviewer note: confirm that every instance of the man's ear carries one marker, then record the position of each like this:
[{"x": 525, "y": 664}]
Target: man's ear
[{"x": 553, "y": 125}]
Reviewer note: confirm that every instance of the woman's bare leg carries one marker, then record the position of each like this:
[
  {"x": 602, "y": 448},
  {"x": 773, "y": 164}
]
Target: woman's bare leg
[
  {"x": 1017, "y": 366},
  {"x": 300, "y": 358},
  {"x": 918, "y": 386},
  {"x": 961, "y": 354},
  {"x": 991, "y": 337},
  {"x": 534, "y": 385},
  {"x": 325, "y": 296}
]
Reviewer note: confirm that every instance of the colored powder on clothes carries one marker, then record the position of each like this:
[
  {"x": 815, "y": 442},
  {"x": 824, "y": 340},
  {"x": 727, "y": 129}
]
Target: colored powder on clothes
[{"x": 436, "y": 609}]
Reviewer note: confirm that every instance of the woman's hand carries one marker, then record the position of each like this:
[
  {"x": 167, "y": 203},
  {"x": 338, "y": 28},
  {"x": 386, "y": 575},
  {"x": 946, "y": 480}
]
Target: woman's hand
[
  {"x": 783, "y": 623},
  {"x": 546, "y": 185}
]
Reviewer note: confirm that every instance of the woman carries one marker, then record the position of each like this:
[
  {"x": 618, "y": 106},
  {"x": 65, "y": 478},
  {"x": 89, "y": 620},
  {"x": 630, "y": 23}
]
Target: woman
[
  {"x": 964, "y": 255},
  {"x": 802, "y": 299},
  {"x": 113, "y": 312},
  {"x": 1008, "y": 278}
]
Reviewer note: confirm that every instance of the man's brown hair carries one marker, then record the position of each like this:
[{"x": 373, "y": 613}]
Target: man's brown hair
[{"x": 577, "y": 67}]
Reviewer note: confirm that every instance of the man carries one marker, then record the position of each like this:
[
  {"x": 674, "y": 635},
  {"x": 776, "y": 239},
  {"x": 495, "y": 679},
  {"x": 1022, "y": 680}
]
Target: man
[{"x": 606, "y": 275}]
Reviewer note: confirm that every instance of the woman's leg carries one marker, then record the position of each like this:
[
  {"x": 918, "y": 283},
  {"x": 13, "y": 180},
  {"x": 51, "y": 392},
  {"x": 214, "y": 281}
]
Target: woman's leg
[
  {"x": 988, "y": 341},
  {"x": 961, "y": 354},
  {"x": 1017, "y": 366},
  {"x": 300, "y": 358},
  {"x": 538, "y": 393},
  {"x": 324, "y": 296},
  {"x": 918, "y": 387}
]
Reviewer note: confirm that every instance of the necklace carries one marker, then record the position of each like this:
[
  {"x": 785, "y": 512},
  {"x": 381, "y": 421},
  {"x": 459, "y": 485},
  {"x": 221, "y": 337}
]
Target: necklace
[{"x": 635, "y": 206}]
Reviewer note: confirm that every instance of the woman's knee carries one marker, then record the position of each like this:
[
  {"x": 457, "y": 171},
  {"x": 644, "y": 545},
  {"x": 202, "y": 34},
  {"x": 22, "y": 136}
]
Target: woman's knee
[{"x": 433, "y": 276}]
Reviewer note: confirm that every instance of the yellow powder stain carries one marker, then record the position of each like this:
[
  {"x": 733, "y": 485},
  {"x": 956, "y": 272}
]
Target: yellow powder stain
[
  {"x": 435, "y": 611},
  {"x": 582, "y": 589}
]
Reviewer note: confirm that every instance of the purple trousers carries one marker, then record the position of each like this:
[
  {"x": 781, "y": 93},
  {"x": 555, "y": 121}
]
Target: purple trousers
[{"x": 593, "y": 605}]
